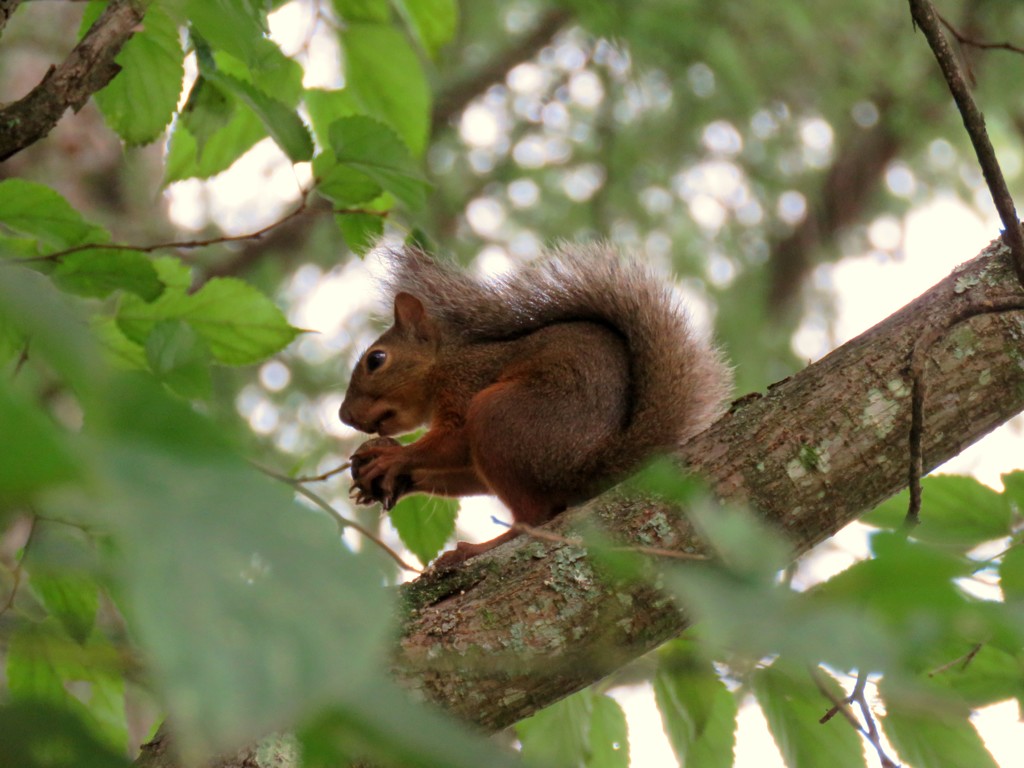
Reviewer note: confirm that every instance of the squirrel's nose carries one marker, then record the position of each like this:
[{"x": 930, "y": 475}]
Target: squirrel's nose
[{"x": 345, "y": 414}]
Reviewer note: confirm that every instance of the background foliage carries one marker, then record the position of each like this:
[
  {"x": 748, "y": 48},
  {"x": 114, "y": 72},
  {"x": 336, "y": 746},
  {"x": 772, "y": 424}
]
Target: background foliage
[{"x": 146, "y": 568}]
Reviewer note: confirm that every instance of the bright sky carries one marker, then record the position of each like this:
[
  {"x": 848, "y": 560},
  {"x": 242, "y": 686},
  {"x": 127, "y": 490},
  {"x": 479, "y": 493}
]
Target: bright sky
[{"x": 933, "y": 239}]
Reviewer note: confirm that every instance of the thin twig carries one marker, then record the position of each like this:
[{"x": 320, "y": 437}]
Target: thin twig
[
  {"x": 340, "y": 519},
  {"x": 323, "y": 476},
  {"x": 869, "y": 730},
  {"x": 302, "y": 209},
  {"x": 543, "y": 535},
  {"x": 964, "y": 661},
  {"x": 918, "y": 359},
  {"x": 964, "y": 40},
  {"x": 925, "y": 17}
]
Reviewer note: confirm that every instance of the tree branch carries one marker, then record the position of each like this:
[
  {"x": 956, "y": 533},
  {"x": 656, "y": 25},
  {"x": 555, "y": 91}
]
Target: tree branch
[
  {"x": 453, "y": 100},
  {"x": 87, "y": 69},
  {"x": 925, "y": 18},
  {"x": 531, "y": 622}
]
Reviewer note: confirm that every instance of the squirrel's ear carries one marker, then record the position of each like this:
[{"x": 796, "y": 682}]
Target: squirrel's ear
[{"x": 411, "y": 317}]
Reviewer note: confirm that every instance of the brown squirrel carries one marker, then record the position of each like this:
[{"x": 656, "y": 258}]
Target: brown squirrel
[{"x": 542, "y": 387}]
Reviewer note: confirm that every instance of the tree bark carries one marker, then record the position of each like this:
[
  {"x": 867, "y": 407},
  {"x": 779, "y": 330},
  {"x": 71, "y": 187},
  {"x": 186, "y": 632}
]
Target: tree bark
[
  {"x": 517, "y": 629},
  {"x": 87, "y": 69}
]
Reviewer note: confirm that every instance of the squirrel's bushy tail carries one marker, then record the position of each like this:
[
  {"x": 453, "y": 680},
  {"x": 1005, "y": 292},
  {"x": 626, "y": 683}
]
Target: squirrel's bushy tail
[{"x": 679, "y": 380}]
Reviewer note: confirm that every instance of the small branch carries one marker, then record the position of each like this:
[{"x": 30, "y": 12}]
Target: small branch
[
  {"x": 869, "y": 730},
  {"x": 16, "y": 574},
  {"x": 964, "y": 40},
  {"x": 323, "y": 476},
  {"x": 918, "y": 359},
  {"x": 964, "y": 661},
  {"x": 340, "y": 519},
  {"x": 925, "y": 17},
  {"x": 452, "y": 101},
  {"x": 87, "y": 69}
]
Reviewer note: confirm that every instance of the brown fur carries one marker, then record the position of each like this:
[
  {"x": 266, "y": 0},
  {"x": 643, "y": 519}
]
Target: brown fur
[{"x": 542, "y": 387}]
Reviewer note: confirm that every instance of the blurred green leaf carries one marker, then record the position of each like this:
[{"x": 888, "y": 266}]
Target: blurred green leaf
[
  {"x": 179, "y": 358},
  {"x": 1011, "y": 573},
  {"x": 40, "y": 735},
  {"x": 559, "y": 734},
  {"x": 139, "y": 103},
  {"x": 957, "y": 512},
  {"x": 207, "y": 111},
  {"x": 118, "y": 350},
  {"x": 982, "y": 674},
  {"x": 326, "y": 106},
  {"x": 36, "y": 453},
  {"x": 186, "y": 158},
  {"x": 391, "y": 88},
  {"x": 61, "y": 563},
  {"x": 101, "y": 271},
  {"x": 45, "y": 665},
  {"x": 270, "y": 619},
  {"x": 433, "y": 21},
  {"x": 363, "y": 10},
  {"x": 609, "y": 737},
  {"x": 697, "y": 710},
  {"x": 424, "y": 523},
  {"x": 793, "y": 706},
  {"x": 934, "y": 733},
  {"x": 35, "y": 209}
]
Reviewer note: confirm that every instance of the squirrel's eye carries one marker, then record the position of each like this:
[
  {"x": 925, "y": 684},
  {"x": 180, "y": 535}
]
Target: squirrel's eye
[{"x": 375, "y": 360}]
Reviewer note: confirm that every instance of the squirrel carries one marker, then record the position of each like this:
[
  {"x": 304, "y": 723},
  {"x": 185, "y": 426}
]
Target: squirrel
[{"x": 543, "y": 387}]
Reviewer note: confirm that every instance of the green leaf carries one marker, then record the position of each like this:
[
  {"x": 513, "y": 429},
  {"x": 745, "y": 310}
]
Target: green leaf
[
  {"x": 793, "y": 706},
  {"x": 933, "y": 734},
  {"x": 238, "y": 323},
  {"x": 272, "y": 618},
  {"x": 363, "y": 10},
  {"x": 982, "y": 675},
  {"x": 372, "y": 148},
  {"x": 957, "y": 512},
  {"x": 140, "y": 101},
  {"x": 424, "y": 523},
  {"x": 61, "y": 563},
  {"x": 697, "y": 710},
  {"x": 118, "y": 350},
  {"x": 326, "y": 106},
  {"x": 609, "y": 737},
  {"x": 36, "y": 453},
  {"x": 1011, "y": 573},
  {"x": 360, "y": 230},
  {"x": 219, "y": 151},
  {"x": 391, "y": 88},
  {"x": 37, "y": 210},
  {"x": 101, "y": 271},
  {"x": 558, "y": 735},
  {"x": 37, "y": 311},
  {"x": 42, "y": 664},
  {"x": 1013, "y": 484},
  {"x": 40, "y": 735},
  {"x": 282, "y": 123},
  {"x": 432, "y": 21},
  {"x": 388, "y": 728},
  {"x": 235, "y": 26},
  {"x": 207, "y": 111},
  {"x": 179, "y": 358},
  {"x": 342, "y": 184}
]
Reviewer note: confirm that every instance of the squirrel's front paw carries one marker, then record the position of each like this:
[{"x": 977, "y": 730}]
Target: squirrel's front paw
[{"x": 375, "y": 474}]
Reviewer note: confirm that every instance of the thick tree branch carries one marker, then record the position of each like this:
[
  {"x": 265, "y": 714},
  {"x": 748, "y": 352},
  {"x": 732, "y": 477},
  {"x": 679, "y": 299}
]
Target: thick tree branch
[
  {"x": 450, "y": 102},
  {"x": 532, "y": 622},
  {"x": 87, "y": 69}
]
